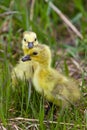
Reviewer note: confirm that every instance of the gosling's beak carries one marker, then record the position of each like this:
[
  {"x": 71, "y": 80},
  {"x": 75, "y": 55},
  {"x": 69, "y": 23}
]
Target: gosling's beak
[
  {"x": 30, "y": 45},
  {"x": 26, "y": 58}
]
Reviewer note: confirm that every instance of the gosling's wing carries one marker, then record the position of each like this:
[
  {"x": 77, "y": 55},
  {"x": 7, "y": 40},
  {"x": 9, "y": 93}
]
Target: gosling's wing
[{"x": 61, "y": 93}]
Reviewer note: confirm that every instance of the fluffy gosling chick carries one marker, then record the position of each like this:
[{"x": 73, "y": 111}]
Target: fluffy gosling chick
[
  {"x": 55, "y": 87},
  {"x": 24, "y": 70},
  {"x": 29, "y": 41}
]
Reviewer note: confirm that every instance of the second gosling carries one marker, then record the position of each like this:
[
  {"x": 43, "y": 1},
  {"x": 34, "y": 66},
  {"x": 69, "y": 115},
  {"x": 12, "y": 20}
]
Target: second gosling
[{"x": 23, "y": 70}]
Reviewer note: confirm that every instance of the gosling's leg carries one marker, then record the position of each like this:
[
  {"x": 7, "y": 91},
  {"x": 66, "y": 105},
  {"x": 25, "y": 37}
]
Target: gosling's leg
[{"x": 48, "y": 108}]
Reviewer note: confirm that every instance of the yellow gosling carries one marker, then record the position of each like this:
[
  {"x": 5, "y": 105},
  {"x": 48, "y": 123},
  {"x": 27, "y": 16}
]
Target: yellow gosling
[
  {"x": 29, "y": 41},
  {"x": 55, "y": 87},
  {"x": 23, "y": 70}
]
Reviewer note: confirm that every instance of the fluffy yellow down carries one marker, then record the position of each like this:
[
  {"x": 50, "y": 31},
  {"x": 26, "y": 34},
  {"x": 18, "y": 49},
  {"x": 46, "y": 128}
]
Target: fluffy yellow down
[{"x": 54, "y": 86}]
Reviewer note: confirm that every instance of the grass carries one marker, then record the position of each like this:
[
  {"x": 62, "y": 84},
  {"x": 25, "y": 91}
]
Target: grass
[{"x": 17, "y": 110}]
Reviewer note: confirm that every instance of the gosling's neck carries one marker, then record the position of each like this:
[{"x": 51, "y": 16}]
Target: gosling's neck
[{"x": 46, "y": 64}]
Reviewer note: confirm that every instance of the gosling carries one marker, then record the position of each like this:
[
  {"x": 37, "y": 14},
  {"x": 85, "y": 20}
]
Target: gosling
[
  {"x": 54, "y": 86},
  {"x": 24, "y": 70}
]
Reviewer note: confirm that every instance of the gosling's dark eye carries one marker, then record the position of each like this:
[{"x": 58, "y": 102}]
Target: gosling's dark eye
[
  {"x": 35, "y": 53},
  {"x": 35, "y": 39},
  {"x": 24, "y": 39}
]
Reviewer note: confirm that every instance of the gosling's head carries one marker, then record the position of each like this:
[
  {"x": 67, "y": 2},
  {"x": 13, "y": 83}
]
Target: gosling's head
[
  {"x": 29, "y": 40},
  {"x": 40, "y": 54}
]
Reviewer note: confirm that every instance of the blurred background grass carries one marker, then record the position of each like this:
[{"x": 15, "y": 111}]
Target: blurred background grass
[{"x": 69, "y": 56}]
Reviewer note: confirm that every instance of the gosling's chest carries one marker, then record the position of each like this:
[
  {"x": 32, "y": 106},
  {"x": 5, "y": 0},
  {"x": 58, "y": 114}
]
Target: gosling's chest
[{"x": 37, "y": 84}]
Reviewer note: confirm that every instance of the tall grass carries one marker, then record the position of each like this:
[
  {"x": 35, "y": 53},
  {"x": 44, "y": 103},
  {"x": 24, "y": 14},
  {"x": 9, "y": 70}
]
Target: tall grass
[{"x": 51, "y": 31}]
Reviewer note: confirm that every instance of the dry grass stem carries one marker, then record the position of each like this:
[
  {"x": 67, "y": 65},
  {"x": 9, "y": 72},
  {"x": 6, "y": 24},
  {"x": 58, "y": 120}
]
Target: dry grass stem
[
  {"x": 66, "y": 20},
  {"x": 32, "y": 10},
  {"x": 45, "y": 122},
  {"x": 8, "y": 13}
]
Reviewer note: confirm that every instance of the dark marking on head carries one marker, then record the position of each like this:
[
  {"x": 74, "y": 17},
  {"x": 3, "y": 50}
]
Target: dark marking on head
[
  {"x": 35, "y": 53},
  {"x": 24, "y": 39},
  {"x": 35, "y": 39}
]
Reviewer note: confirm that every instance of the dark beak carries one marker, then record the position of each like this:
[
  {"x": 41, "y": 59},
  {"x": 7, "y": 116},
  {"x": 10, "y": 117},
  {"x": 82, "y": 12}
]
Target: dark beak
[
  {"x": 30, "y": 45},
  {"x": 26, "y": 58}
]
